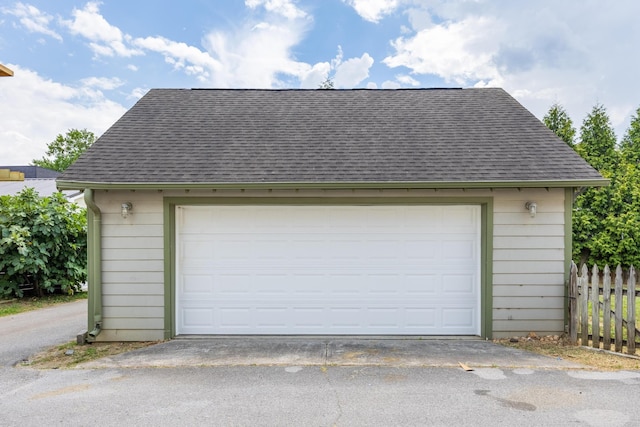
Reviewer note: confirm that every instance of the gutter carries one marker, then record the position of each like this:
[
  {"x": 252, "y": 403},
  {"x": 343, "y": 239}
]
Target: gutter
[
  {"x": 63, "y": 184},
  {"x": 94, "y": 265}
]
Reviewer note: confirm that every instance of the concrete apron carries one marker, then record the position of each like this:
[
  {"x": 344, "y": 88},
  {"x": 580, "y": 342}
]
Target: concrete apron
[{"x": 329, "y": 351}]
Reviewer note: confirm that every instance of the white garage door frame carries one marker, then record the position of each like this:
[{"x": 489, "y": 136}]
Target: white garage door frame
[{"x": 171, "y": 240}]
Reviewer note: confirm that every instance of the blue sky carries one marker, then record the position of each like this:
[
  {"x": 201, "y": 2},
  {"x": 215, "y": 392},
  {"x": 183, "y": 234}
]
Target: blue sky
[{"x": 82, "y": 64}]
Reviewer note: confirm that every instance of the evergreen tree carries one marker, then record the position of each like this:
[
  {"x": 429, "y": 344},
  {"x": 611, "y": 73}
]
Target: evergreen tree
[
  {"x": 560, "y": 123},
  {"x": 598, "y": 140},
  {"x": 630, "y": 145}
]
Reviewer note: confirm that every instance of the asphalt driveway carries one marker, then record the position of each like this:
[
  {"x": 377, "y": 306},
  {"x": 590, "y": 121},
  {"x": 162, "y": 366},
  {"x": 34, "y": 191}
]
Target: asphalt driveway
[
  {"x": 22, "y": 335},
  {"x": 25, "y": 334},
  {"x": 329, "y": 351}
]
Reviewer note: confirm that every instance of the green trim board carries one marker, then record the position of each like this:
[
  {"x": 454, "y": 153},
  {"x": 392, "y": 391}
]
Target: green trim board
[
  {"x": 486, "y": 230},
  {"x": 94, "y": 265},
  {"x": 568, "y": 247},
  {"x": 79, "y": 185}
]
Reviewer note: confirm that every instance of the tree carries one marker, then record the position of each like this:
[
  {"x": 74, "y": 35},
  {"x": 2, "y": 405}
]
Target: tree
[
  {"x": 630, "y": 145},
  {"x": 327, "y": 84},
  {"x": 65, "y": 150},
  {"x": 598, "y": 140},
  {"x": 560, "y": 123},
  {"x": 43, "y": 243}
]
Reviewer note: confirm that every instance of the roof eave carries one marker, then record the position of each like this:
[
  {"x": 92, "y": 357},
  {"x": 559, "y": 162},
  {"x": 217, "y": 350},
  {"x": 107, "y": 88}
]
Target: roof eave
[{"x": 81, "y": 185}]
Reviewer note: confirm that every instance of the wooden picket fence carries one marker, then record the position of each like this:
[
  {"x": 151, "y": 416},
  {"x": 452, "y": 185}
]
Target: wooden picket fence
[{"x": 591, "y": 312}]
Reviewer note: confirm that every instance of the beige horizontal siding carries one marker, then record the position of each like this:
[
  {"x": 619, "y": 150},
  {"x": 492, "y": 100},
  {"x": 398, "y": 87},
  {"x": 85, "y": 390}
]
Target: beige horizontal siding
[
  {"x": 131, "y": 276},
  {"x": 536, "y": 242},
  {"x": 529, "y": 314},
  {"x": 514, "y": 254},
  {"x": 528, "y": 279},
  {"x": 523, "y": 291},
  {"x": 528, "y": 255},
  {"x": 509, "y": 328},
  {"x": 526, "y": 266},
  {"x": 133, "y": 323},
  {"x": 139, "y": 312},
  {"x": 529, "y": 265},
  {"x": 127, "y": 300},
  {"x": 127, "y": 242},
  {"x": 131, "y": 335},
  {"x": 535, "y": 302},
  {"x": 136, "y": 254},
  {"x": 133, "y": 288}
]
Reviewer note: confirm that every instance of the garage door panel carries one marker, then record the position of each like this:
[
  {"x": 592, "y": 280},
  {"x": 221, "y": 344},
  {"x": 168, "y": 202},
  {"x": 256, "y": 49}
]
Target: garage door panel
[
  {"x": 458, "y": 317},
  {"x": 460, "y": 284},
  {"x": 328, "y": 270},
  {"x": 347, "y": 319}
]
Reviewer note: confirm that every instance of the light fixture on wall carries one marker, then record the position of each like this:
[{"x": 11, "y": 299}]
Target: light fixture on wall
[
  {"x": 127, "y": 207},
  {"x": 532, "y": 207}
]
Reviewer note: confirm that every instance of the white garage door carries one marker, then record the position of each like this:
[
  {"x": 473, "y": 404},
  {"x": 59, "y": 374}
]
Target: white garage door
[{"x": 402, "y": 270}]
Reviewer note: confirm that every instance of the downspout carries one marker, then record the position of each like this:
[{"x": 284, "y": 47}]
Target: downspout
[{"x": 94, "y": 264}]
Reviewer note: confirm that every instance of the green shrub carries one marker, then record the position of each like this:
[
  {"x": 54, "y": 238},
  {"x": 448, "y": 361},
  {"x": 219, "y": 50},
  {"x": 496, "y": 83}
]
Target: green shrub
[{"x": 43, "y": 244}]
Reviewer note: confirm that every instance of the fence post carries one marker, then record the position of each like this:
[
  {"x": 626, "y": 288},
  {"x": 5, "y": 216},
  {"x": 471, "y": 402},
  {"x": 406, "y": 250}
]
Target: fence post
[
  {"x": 618, "y": 310},
  {"x": 573, "y": 304},
  {"x": 606, "y": 309},
  {"x": 631, "y": 311},
  {"x": 595, "y": 307},
  {"x": 584, "y": 305}
]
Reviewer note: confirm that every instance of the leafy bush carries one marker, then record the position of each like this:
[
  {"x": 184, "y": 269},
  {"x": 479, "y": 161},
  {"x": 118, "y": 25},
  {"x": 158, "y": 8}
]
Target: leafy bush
[{"x": 43, "y": 244}]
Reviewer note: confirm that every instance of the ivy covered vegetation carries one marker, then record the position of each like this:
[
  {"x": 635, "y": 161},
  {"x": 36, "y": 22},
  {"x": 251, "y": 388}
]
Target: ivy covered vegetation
[
  {"x": 606, "y": 220},
  {"x": 43, "y": 244}
]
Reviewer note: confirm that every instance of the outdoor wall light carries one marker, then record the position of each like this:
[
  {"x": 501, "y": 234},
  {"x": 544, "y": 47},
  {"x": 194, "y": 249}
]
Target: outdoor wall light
[
  {"x": 127, "y": 207},
  {"x": 532, "y": 207}
]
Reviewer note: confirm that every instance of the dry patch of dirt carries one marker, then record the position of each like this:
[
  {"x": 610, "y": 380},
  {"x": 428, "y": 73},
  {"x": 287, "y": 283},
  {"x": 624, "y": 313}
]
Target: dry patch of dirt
[
  {"x": 70, "y": 354},
  {"x": 559, "y": 347}
]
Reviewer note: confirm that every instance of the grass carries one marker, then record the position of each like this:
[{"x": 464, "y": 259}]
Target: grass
[
  {"x": 21, "y": 305},
  {"x": 560, "y": 348},
  {"x": 613, "y": 308},
  {"x": 70, "y": 354}
]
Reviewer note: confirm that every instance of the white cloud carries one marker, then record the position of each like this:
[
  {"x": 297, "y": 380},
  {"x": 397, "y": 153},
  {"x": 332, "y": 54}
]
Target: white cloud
[
  {"x": 312, "y": 76},
  {"x": 254, "y": 55},
  {"x": 389, "y": 84},
  {"x": 104, "y": 83},
  {"x": 352, "y": 71},
  {"x": 286, "y": 8},
  {"x": 137, "y": 93},
  {"x": 182, "y": 56},
  {"x": 105, "y": 39},
  {"x": 259, "y": 54},
  {"x": 33, "y": 19},
  {"x": 34, "y": 110},
  {"x": 407, "y": 80},
  {"x": 458, "y": 52},
  {"x": 373, "y": 10},
  {"x": 542, "y": 52}
]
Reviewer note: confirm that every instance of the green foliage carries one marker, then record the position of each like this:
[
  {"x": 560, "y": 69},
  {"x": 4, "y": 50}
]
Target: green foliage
[
  {"x": 598, "y": 140},
  {"x": 606, "y": 221},
  {"x": 43, "y": 243},
  {"x": 630, "y": 145},
  {"x": 560, "y": 123},
  {"x": 65, "y": 150},
  {"x": 327, "y": 84}
]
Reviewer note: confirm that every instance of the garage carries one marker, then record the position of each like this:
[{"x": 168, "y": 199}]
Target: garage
[{"x": 328, "y": 269}]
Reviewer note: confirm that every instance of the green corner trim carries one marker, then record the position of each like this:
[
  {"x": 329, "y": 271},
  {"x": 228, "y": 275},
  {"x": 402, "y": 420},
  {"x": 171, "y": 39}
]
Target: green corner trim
[
  {"x": 486, "y": 273},
  {"x": 486, "y": 230},
  {"x": 568, "y": 247}
]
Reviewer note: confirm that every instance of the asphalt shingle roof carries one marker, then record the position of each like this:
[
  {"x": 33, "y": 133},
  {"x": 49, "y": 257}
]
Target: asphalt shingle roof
[{"x": 226, "y": 136}]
